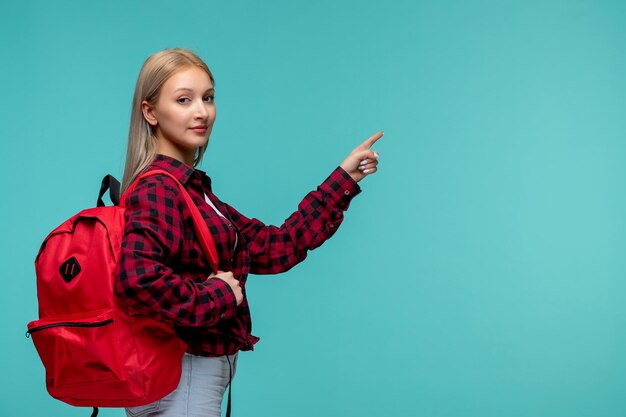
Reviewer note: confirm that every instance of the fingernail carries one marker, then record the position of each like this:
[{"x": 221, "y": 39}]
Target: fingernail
[
  {"x": 376, "y": 154},
  {"x": 363, "y": 162},
  {"x": 366, "y": 171}
]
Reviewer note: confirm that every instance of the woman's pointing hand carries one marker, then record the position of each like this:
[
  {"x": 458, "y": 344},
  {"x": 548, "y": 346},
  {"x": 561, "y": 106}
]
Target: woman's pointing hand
[{"x": 362, "y": 161}]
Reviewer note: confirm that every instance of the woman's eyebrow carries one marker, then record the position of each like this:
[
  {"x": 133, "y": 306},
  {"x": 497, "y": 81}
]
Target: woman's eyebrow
[{"x": 209, "y": 90}]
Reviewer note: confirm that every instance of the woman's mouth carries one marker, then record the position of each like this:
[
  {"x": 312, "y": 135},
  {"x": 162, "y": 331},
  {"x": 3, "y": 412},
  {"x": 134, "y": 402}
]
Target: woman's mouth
[{"x": 201, "y": 130}]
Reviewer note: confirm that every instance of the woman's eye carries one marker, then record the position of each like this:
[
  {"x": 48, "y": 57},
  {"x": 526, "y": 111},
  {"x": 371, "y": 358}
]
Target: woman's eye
[
  {"x": 209, "y": 99},
  {"x": 183, "y": 100}
]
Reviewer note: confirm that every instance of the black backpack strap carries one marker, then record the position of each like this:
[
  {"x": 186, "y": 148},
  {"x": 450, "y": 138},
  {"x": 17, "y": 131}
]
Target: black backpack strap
[
  {"x": 109, "y": 183},
  {"x": 95, "y": 409},
  {"x": 230, "y": 385}
]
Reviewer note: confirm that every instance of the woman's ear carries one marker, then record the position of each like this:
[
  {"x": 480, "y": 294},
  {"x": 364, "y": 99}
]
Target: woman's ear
[{"x": 148, "y": 113}]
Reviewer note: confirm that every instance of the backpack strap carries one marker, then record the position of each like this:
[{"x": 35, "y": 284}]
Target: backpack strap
[
  {"x": 109, "y": 183},
  {"x": 202, "y": 230}
]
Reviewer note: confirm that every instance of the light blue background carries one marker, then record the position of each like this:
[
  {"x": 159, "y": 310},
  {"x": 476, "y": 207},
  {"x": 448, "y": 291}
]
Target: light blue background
[{"x": 481, "y": 271}]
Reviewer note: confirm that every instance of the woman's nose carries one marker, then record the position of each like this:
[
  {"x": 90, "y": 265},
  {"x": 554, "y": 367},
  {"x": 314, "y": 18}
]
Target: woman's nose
[{"x": 201, "y": 110}]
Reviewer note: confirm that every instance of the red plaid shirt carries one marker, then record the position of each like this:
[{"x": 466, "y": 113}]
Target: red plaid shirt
[{"x": 163, "y": 270}]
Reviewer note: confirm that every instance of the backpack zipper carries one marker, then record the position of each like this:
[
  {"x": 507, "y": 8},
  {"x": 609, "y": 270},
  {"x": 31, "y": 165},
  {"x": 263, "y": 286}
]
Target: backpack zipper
[{"x": 68, "y": 324}]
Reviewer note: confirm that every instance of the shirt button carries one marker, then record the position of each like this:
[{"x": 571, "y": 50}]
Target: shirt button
[
  {"x": 230, "y": 225},
  {"x": 331, "y": 225},
  {"x": 223, "y": 315},
  {"x": 347, "y": 192}
]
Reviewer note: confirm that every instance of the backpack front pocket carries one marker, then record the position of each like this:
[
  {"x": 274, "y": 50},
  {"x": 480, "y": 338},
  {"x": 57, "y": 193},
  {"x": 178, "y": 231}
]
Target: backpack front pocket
[{"x": 77, "y": 349}]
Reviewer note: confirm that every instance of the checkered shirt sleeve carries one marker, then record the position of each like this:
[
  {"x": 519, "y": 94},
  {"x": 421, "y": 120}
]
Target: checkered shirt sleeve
[
  {"x": 277, "y": 249},
  {"x": 152, "y": 247}
]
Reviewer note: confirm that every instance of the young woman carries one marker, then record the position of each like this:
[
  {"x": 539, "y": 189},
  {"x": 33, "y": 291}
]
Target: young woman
[{"x": 163, "y": 271}]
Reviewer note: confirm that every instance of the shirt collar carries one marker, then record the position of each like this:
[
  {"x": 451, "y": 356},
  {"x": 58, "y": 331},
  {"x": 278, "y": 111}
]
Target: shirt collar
[{"x": 180, "y": 170}]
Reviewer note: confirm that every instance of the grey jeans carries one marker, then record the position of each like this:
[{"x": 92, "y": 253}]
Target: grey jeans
[{"x": 199, "y": 393}]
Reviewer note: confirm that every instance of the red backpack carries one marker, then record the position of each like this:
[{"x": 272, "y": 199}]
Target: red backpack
[{"x": 97, "y": 351}]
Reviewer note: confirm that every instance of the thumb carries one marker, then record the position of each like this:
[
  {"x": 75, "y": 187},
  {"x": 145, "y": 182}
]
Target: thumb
[{"x": 366, "y": 154}]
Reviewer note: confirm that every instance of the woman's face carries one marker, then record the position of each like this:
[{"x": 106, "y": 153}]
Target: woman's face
[{"x": 183, "y": 115}]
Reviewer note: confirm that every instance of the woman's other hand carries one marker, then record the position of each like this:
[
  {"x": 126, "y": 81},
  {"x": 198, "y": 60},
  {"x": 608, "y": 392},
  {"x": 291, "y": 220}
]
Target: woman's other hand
[
  {"x": 362, "y": 161},
  {"x": 229, "y": 278}
]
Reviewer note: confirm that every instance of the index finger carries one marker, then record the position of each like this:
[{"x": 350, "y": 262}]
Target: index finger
[{"x": 372, "y": 140}]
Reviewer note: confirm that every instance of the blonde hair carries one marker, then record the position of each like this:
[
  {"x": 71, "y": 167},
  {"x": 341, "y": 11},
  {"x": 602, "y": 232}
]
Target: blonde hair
[{"x": 142, "y": 144}]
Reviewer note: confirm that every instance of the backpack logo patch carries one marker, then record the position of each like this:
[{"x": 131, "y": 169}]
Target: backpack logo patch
[{"x": 69, "y": 269}]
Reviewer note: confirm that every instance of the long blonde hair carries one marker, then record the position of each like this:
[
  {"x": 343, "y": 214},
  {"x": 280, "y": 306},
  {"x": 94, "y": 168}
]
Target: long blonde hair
[{"x": 142, "y": 144}]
